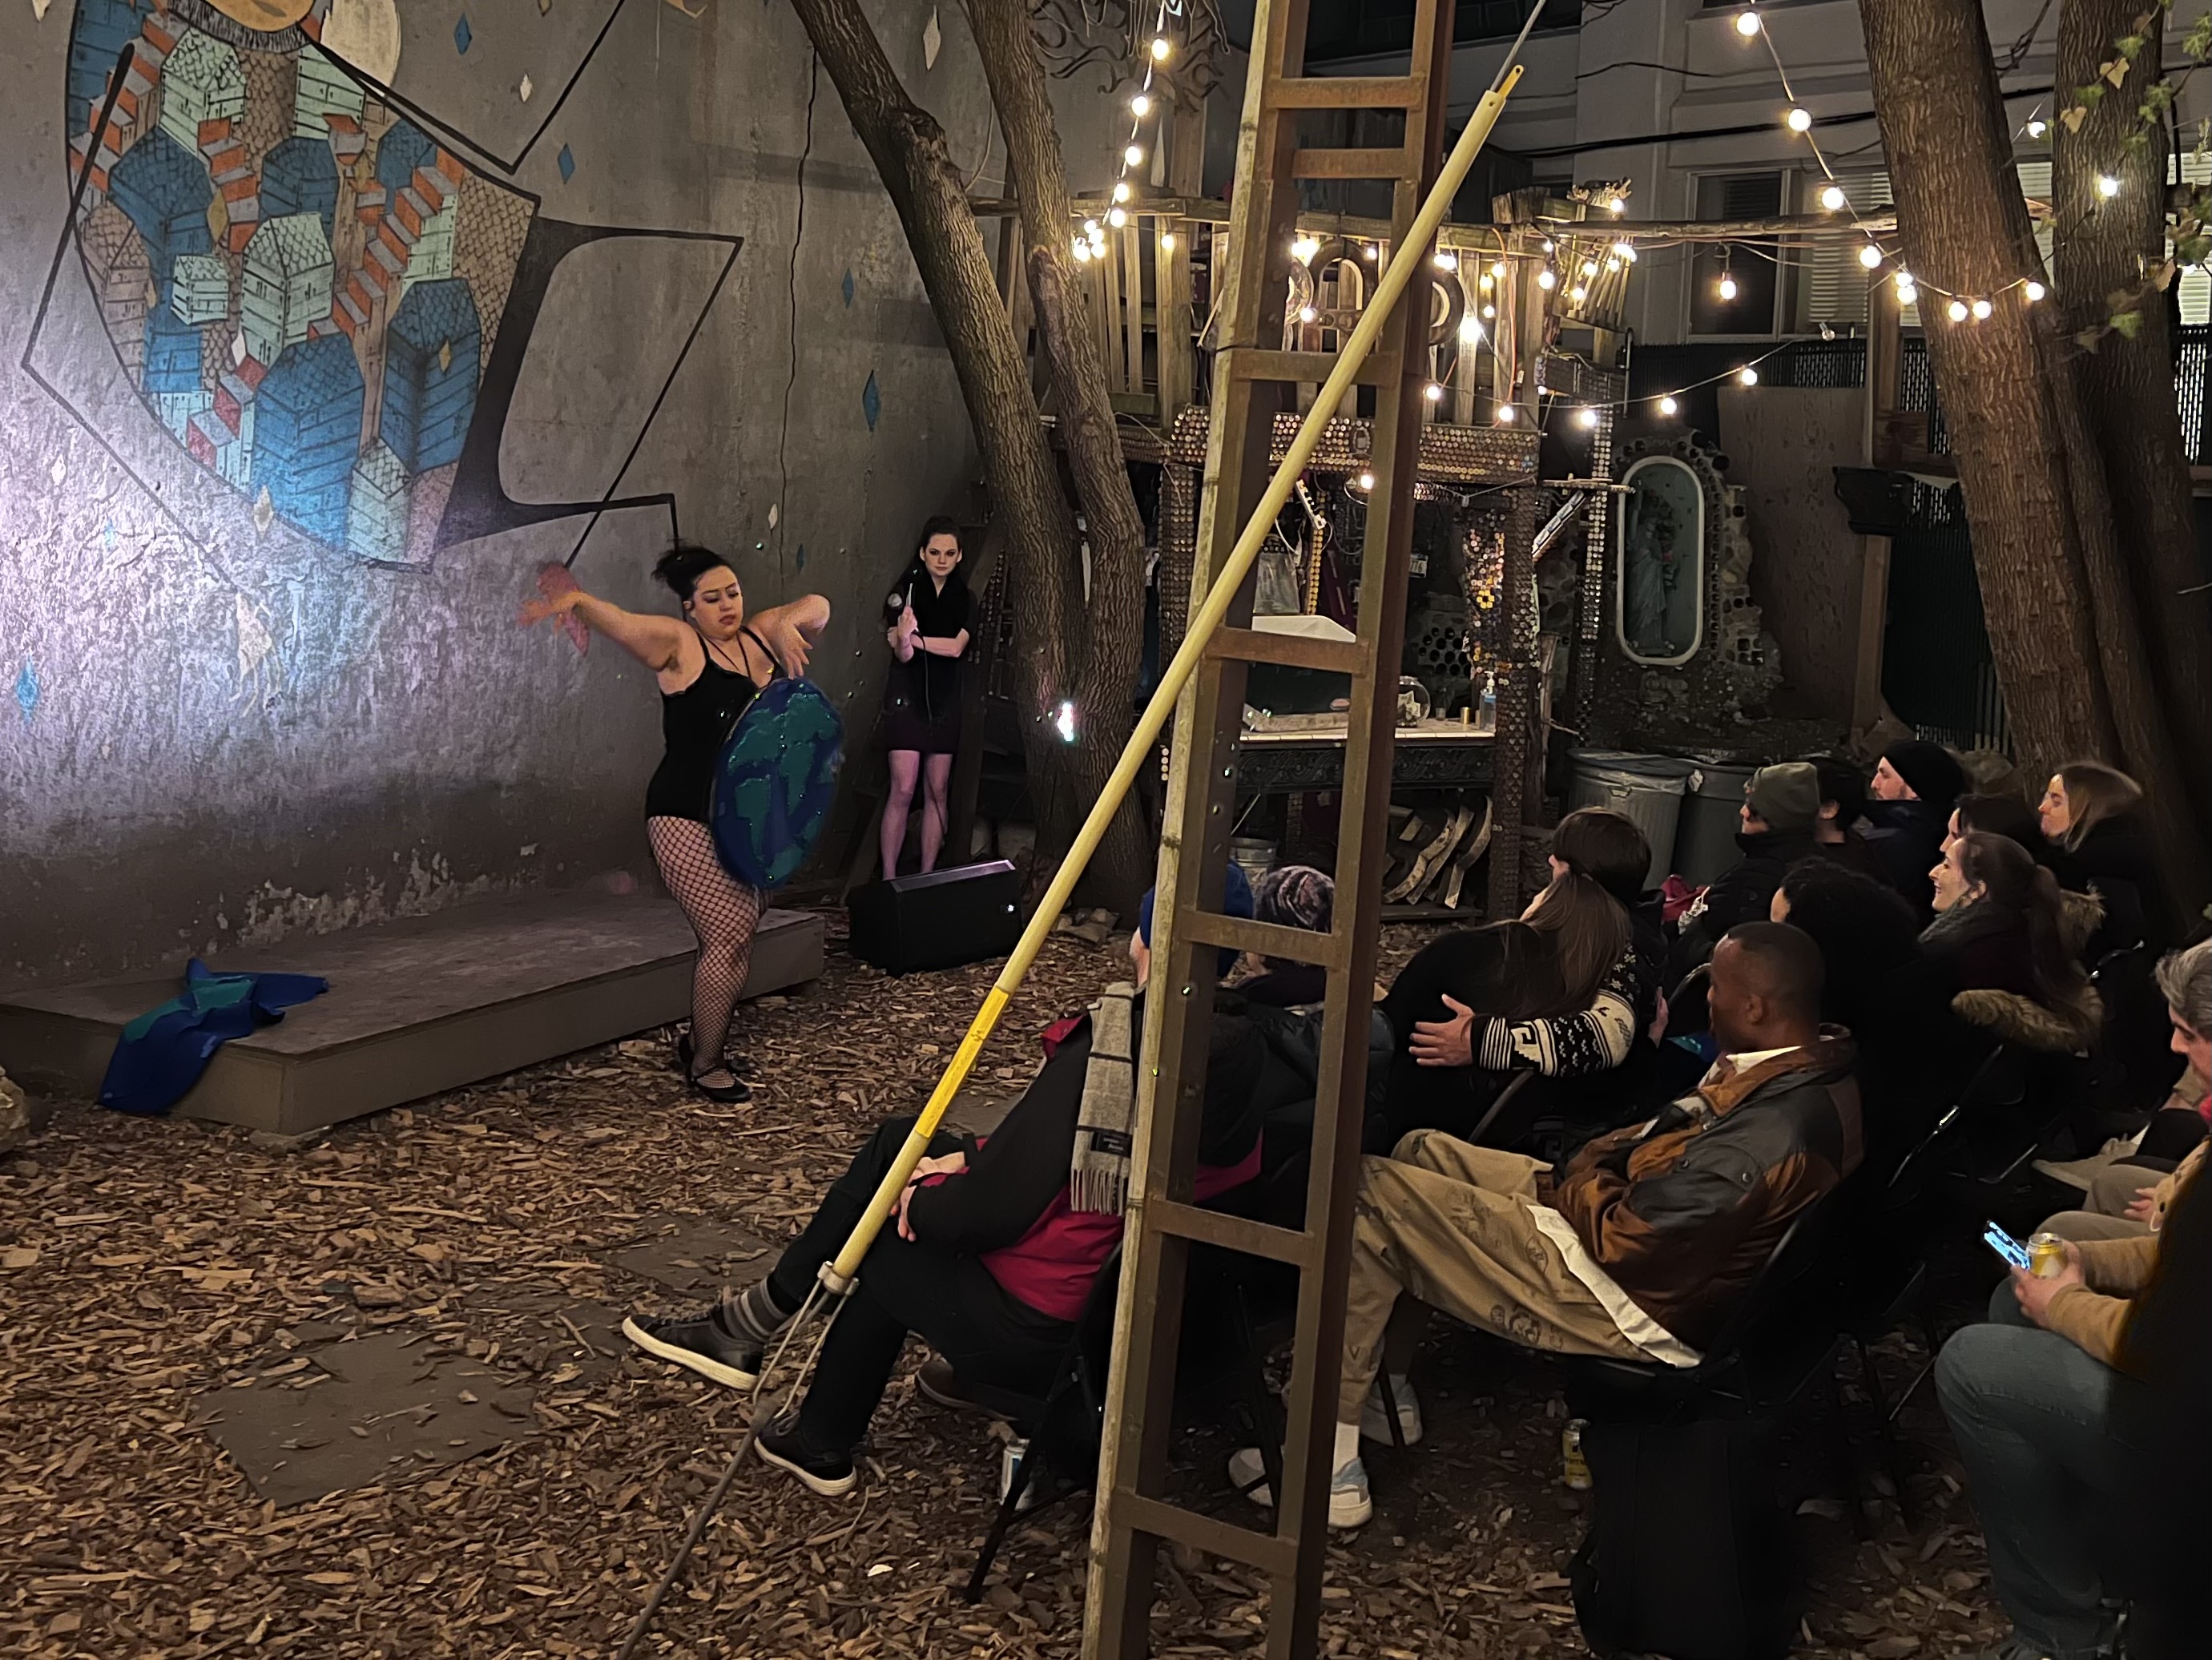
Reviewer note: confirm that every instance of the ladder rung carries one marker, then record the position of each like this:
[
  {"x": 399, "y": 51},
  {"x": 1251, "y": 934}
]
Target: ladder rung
[
  {"x": 1332, "y": 163},
  {"x": 1240, "y": 1234},
  {"x": 1289, "y": 651},
  {"x": 1293, "y": 368},
  {"x": 1348, "y": 92},
  {"x": 1268, "y": 939},
  {"x": 1263, "y": 1551}
]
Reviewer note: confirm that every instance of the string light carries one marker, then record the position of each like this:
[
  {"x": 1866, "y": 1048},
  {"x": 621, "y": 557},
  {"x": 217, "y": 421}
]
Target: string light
[
  {"x": 1082, "y": 253},
  {"x": 1490, "y": 312},
  {"x": 1308, "y": 314},
  {"x": 1116, "y": 217},
  {"x": 2033, "y": 290},
  {"x": 1799, "y": 120},
  {"x": 1433, "y": 392},
  {"x": 1063, "y": 722},
  {"x": 2108, "y": 187},
  {"x": 1667, "y": 406},
  {"x": 2036, "y": 129},
  {"x": 1134, "y": 156},
  {"x": 1090, "y": 227},
  {"x": 1982, "y": 309},
  {"x": 1616, "y": 204},
  {"x": 1748, "y": 375},
  {"x": 1590, "y": 267},
  {"x": 1833, "y": 199},
  {"x": 1726, "y": 286},
  {"x": 1304, "y": 247},
  {"x": 1370, "y": 252},
  {"x": 1444, "y": 261},
  {"x": 1586, "y": 416},
  {"x": 1483, "y": 281},
  {"x": 1365, "y": 481},
  {"x": 1746, "y": 23},
  {"x": 1121, "y": 189},
  {"x": 1957, "y": 310},
  {"x": 1545, "y": 280},
  {"x": 1578, "y": 293},
  {"x": 1871, "y": 257},
  {"x": 1505, "y": 417},
  {"x": 1141, "y": 105},
  {"x": 1624, "y": 250},
  {"x": 1161, "y": 48},
  {"x": 1497, "y": 268},
  {"x": 1469, "y": 330}
]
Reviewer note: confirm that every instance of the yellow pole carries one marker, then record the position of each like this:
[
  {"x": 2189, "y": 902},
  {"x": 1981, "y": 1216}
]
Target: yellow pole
[{"x": 1405, "y": 258}]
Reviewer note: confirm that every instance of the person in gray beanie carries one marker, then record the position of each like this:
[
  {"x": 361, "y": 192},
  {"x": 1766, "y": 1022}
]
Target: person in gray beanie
[{"x": 1779, "y": 819}]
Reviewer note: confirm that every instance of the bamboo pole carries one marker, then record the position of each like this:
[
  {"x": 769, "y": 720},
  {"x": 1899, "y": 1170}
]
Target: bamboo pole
[{"x": 838, "y": 1275}]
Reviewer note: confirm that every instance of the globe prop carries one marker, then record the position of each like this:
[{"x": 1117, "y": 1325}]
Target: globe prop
[{"x": 774, "y": 781}]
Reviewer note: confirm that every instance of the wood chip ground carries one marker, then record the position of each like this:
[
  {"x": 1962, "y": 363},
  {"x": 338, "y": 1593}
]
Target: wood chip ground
[{"x": 217, "y": 1362}]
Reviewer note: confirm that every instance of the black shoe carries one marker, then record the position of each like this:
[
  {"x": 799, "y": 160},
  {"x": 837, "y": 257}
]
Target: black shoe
[
  {"x": 936, "y": 1382},
  {"x": 830, "y": 1474},
  {"x": 738, "y": 1067},
  {"x": 699, "y": 1343}
]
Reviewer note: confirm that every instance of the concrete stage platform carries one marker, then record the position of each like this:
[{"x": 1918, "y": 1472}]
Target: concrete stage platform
[{"x": 415, "y": 1006}]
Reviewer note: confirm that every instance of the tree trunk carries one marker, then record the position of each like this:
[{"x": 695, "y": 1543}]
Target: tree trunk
[
  {"x": 2124, "y": 392},
  {"x": 909, "y": 151},
  {"x": 1112, "y": 649},
  {"x": 1965, "y": 231}
]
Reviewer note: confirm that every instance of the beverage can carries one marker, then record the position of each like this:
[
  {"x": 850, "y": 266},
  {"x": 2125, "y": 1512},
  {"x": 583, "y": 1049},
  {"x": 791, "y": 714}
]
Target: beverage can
[
  {"x": 1010, "y": 1459},
  {"x": 1575, "y": 1471},
  {"x": 2046, "y": 1254}
]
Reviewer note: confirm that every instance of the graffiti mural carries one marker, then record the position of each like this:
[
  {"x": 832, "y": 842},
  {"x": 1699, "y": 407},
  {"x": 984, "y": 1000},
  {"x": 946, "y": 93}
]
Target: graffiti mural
[{"x": 318, "y": 290}]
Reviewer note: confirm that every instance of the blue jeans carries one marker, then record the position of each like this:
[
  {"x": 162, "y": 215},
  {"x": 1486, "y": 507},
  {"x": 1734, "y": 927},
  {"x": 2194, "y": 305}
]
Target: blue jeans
[{"x": 2035, "y": 1418}]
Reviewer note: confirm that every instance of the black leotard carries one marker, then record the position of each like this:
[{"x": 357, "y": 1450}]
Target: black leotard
[{"x": 694, "y": 724}]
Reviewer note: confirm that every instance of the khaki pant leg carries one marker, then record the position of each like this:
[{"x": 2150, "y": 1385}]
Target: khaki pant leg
[
  {"x": 2081, "y": 1225},
  {"x": 1474, "y": 1252},
  {"x": 2114, "y": 1188}
]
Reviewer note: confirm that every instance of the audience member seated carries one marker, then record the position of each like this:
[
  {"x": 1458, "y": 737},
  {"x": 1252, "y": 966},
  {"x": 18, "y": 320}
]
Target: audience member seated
[
  {"x": 1879, "y": 987},
  {"x": 2047, "y": 1405},
  {"x": 2090, "y": 813},
  {"x": 2127, "y": 1190},
  {"x": 1781, "y": 807},
  {"x": 1554, "y": 964},
  {"x": 2080, "y": 915},
  {"x": 993, "y": 1247},
  {"x": 1293, "y": 897},
  {"x": 1996, "y": 937},
  {"x": 1237, "y": 900},
  {"x": 1640, "y": 1246},
  {"x": 1915, "y": 787},
  {"x": 1843, "y": 804}
]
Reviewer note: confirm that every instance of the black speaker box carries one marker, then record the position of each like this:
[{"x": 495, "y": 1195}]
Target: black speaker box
[{"x": 940, "y": 921}]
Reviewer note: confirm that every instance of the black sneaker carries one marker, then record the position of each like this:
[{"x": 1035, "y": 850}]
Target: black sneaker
[
  {"x": 936, "y": 1382},
  {"x": 830, "y": 1474},
  {"x": 699, "y": 1343}
]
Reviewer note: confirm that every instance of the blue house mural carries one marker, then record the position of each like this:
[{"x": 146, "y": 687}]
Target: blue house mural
[
  {"x": 306, "y": 433},
  {"x": 430, "y": 358}
]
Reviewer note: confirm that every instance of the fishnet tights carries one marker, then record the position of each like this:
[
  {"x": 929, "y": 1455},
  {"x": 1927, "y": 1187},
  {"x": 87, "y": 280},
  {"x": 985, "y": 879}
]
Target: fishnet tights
[{"x": 722, "y": 912}]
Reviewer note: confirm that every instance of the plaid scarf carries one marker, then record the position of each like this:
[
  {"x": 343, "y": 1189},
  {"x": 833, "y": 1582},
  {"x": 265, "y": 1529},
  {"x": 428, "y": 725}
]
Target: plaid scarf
[{"x": 1098, "y": 1173}]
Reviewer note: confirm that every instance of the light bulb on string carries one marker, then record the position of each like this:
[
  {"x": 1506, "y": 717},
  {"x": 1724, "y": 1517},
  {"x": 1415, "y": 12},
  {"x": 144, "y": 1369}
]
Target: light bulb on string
[
  {"x": 1586, "y": 416},
  {"x": 1957, "y": 312},
  {"x": 1433, "y": 392},
  {"x": 1908, "y": 296},
  {"x": 1490, "y": 312},
  {"x": 1667, "y": 406},
  {"x": 1121, "y": 191},
  {"x": 2033, "y": 290},
  {"x": 1167, "y": 241},
  {"x": 1548, "y": 247},
  {"x": 1116, "y": 217},
  {"x": 1161, "y": 48},
  {"x": 1590, "y": 267},
  {"x": 1624, "y": 250},
  {"x": 1832, "y": 199},
  {"x": 1308, "y": 314},
  {"x": 1082, "y": 252},
  {"x": 2036, "y": 129},
  {"x": 1748, "y": 375},
  {"x": 1611, "y": 266},
  {"x": 1746, "y": 23},
  {"x": 1871, "y": 257},
  {"x": 1141, "y": 105},
  {"x": 1616, "y": 204},
  {"x": 1981, "y": 308},
  {"x": 1483, "y": 281},
  {"x": 1497, "y": 268},
  {"x": 1798, "y": 120},
  {"x": 1134, "y": 156},
  {"x": 1365, "y": 481},
  {"x": 1546, "y": 279},
  {"x": 1444, "y": 261},
  {"x": 1469, "y": 330},
  {"x": 1304, "y": 247},
  {"x": 2108, "y": 187},
  {"x": 1578, "y": 293},
  {"x": 1090, "y": 227},
  {"x": 1726, "y": 289},
  {"x": 1371, "y": 251},
  {"x": 1505, "y": 416}
]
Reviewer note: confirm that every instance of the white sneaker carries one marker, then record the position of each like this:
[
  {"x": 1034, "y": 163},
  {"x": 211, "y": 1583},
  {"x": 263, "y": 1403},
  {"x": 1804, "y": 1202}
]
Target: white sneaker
[
  {"x": 1349, "y": 1503},
  {"x": 1374, "y": 1424}
]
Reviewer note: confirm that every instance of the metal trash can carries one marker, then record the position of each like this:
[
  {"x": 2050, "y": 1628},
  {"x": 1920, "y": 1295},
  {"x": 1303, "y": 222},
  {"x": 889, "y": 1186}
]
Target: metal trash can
[
  {"x": 1646, "y": 788},
  {"x": 1704, "y": 839}
]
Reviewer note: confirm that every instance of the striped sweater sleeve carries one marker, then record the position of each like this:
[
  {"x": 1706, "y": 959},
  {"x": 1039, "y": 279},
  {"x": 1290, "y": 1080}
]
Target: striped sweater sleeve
[{"x": 1596, "y": 1039}]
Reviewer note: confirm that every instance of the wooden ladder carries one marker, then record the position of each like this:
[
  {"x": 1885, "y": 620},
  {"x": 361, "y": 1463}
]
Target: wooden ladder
[{"x": 1252, "y": 383}]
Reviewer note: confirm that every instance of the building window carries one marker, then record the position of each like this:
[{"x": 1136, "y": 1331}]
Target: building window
[{"x": 1735, "y": 287}]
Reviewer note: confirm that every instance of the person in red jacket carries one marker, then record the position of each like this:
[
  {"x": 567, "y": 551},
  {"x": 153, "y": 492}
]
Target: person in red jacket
[{"x": 1639, "y": 1247}]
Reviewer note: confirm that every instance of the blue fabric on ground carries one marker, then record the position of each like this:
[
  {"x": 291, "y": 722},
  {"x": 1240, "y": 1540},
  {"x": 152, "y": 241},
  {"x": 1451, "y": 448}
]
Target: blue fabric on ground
[{"x": 162, "y": 1053}]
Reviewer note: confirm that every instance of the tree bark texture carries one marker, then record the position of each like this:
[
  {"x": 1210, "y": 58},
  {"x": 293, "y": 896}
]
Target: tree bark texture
[
  {"x": 2124, "y": 389},
  {"x": 909, "y": 150},
  {"x": 1106, "y": 676},
  {"x": 1965, "y": 230}
]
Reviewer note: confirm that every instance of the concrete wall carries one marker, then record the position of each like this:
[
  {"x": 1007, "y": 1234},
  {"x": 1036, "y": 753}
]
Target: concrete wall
[
  {"x": 257, "y": 618},
  {"x": 1784, "y": 444}
]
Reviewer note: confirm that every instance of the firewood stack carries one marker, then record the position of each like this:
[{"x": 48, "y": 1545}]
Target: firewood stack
[{"x": 1432, "y": 849}]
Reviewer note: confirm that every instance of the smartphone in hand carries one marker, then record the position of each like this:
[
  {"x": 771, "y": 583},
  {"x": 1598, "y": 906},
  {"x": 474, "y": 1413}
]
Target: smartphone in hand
[{"x": 2014, "y": 1253}]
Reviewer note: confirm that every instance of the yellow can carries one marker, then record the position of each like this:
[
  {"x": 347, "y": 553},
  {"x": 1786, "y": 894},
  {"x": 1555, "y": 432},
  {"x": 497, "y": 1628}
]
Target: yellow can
[{"x": 2046, "y": 1256}]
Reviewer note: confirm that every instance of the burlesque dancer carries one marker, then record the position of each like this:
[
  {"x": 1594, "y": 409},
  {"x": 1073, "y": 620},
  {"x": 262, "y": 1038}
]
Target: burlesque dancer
[
  {"x": 928, "y": 635},
  {"x": 710, "y": 664}
]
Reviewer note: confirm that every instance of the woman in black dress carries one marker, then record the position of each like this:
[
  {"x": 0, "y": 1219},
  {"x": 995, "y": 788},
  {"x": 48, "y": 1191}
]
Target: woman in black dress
[
  {"x": 710, "y": 663},
  {"x": 928, "y": 635}
]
